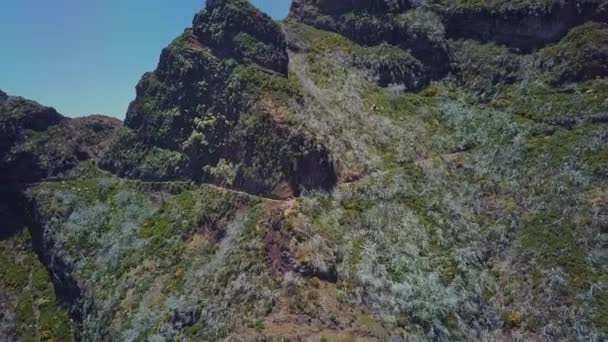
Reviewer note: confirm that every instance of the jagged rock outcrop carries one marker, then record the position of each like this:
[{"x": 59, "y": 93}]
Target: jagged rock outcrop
[
  {"x": 27, "y": 113},
  {"x": 36, "y": 142},
  {"x": 216, "y": 110},
  {"x": 341, "y": 7},
  {"x": 234, "y": 29},
  {"x": 523, "y": 25},
  {"x": 422, "y": 30},
  {"x": 419, "y": 32},
  {"x": 16, "y": 116}
]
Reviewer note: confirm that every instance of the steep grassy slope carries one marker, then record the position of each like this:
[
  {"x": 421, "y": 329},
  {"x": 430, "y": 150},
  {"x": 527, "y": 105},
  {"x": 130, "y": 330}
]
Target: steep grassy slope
[{"x": 470, "y": 173}]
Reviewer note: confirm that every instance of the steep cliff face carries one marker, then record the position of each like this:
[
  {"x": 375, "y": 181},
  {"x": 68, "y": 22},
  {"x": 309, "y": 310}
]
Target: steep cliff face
[
  {"x": 217, "y": 110},
  {"x": 38, "y": 144},
  {"x": 424, "y": 30},
  {"x": 418, "y": 32},
  {"x": 522, "y": 25}
]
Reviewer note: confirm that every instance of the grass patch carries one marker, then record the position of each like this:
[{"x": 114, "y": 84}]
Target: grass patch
[
  {"x": 260, "y": 83},
  {"x": 538, "y": 101},
  {"x": 555, "y": 148},
  {"x": 597, "y": 161},
  {"x": 552, "y": 239},
  {"x": 36, "y": 308},
  {"x": 601, "y": 315}
]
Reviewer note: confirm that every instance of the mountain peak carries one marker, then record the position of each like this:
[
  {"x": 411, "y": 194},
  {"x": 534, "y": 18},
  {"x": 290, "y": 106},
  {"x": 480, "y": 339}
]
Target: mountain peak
[
  {"x": 237, "y": 29},
  {"x": 212, "y": 104}
]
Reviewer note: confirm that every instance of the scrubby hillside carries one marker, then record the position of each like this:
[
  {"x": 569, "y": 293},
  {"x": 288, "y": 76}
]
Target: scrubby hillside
[
  {"x": 362, "y": 170},
  {"x": 37, "y": 144}
]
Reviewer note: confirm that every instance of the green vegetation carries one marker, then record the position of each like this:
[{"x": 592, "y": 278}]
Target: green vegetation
[
  {"x": 598, "y": 160},
  {"x": 38, "y": 315},
  {"x": 424, "y": 216},
  {"x": 261, "y": 84},
  {"x": 184, "y": 41},
  {"x": 581, "y": 55},
  {"x": 158, "y": 242},
  {"x": 555, "y": 148},
  {"x": 319, "y": 41},
  {"x": 387, "y": 63},
  {"x": 250, "y": 225},
  {"x": 538, "y": 101},
  {"x": 553, "y": 239},
  {"x": 601, "y": 318}
]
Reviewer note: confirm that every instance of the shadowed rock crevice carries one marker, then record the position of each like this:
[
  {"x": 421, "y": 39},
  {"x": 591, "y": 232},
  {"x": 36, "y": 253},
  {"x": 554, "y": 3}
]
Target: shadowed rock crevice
[
  {"x": 66, "y": 287},
  {"x": 11, "y": 211}
]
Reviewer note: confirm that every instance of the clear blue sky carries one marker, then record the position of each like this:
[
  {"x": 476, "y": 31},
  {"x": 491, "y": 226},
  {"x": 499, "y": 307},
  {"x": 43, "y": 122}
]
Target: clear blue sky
[{"x": 86, "y": 56}]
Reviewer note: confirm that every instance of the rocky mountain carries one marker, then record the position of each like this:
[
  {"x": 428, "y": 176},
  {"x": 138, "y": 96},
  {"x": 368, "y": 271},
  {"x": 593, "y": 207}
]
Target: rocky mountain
[
  {"x": 216, "y": 110},
  {"x": 362, "y": 170}
]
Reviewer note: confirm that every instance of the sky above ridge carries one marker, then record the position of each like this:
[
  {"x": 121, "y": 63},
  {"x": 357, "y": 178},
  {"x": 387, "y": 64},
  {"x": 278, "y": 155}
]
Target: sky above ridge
[{"x": 85, "y": 57}]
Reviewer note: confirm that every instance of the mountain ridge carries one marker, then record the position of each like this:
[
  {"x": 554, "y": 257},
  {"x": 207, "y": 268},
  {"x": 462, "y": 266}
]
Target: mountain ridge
[{"x": 365, "y": 170}]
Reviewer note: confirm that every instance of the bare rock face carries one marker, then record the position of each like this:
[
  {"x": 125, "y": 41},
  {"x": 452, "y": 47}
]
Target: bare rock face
[{"x": 215, "y": 108}]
